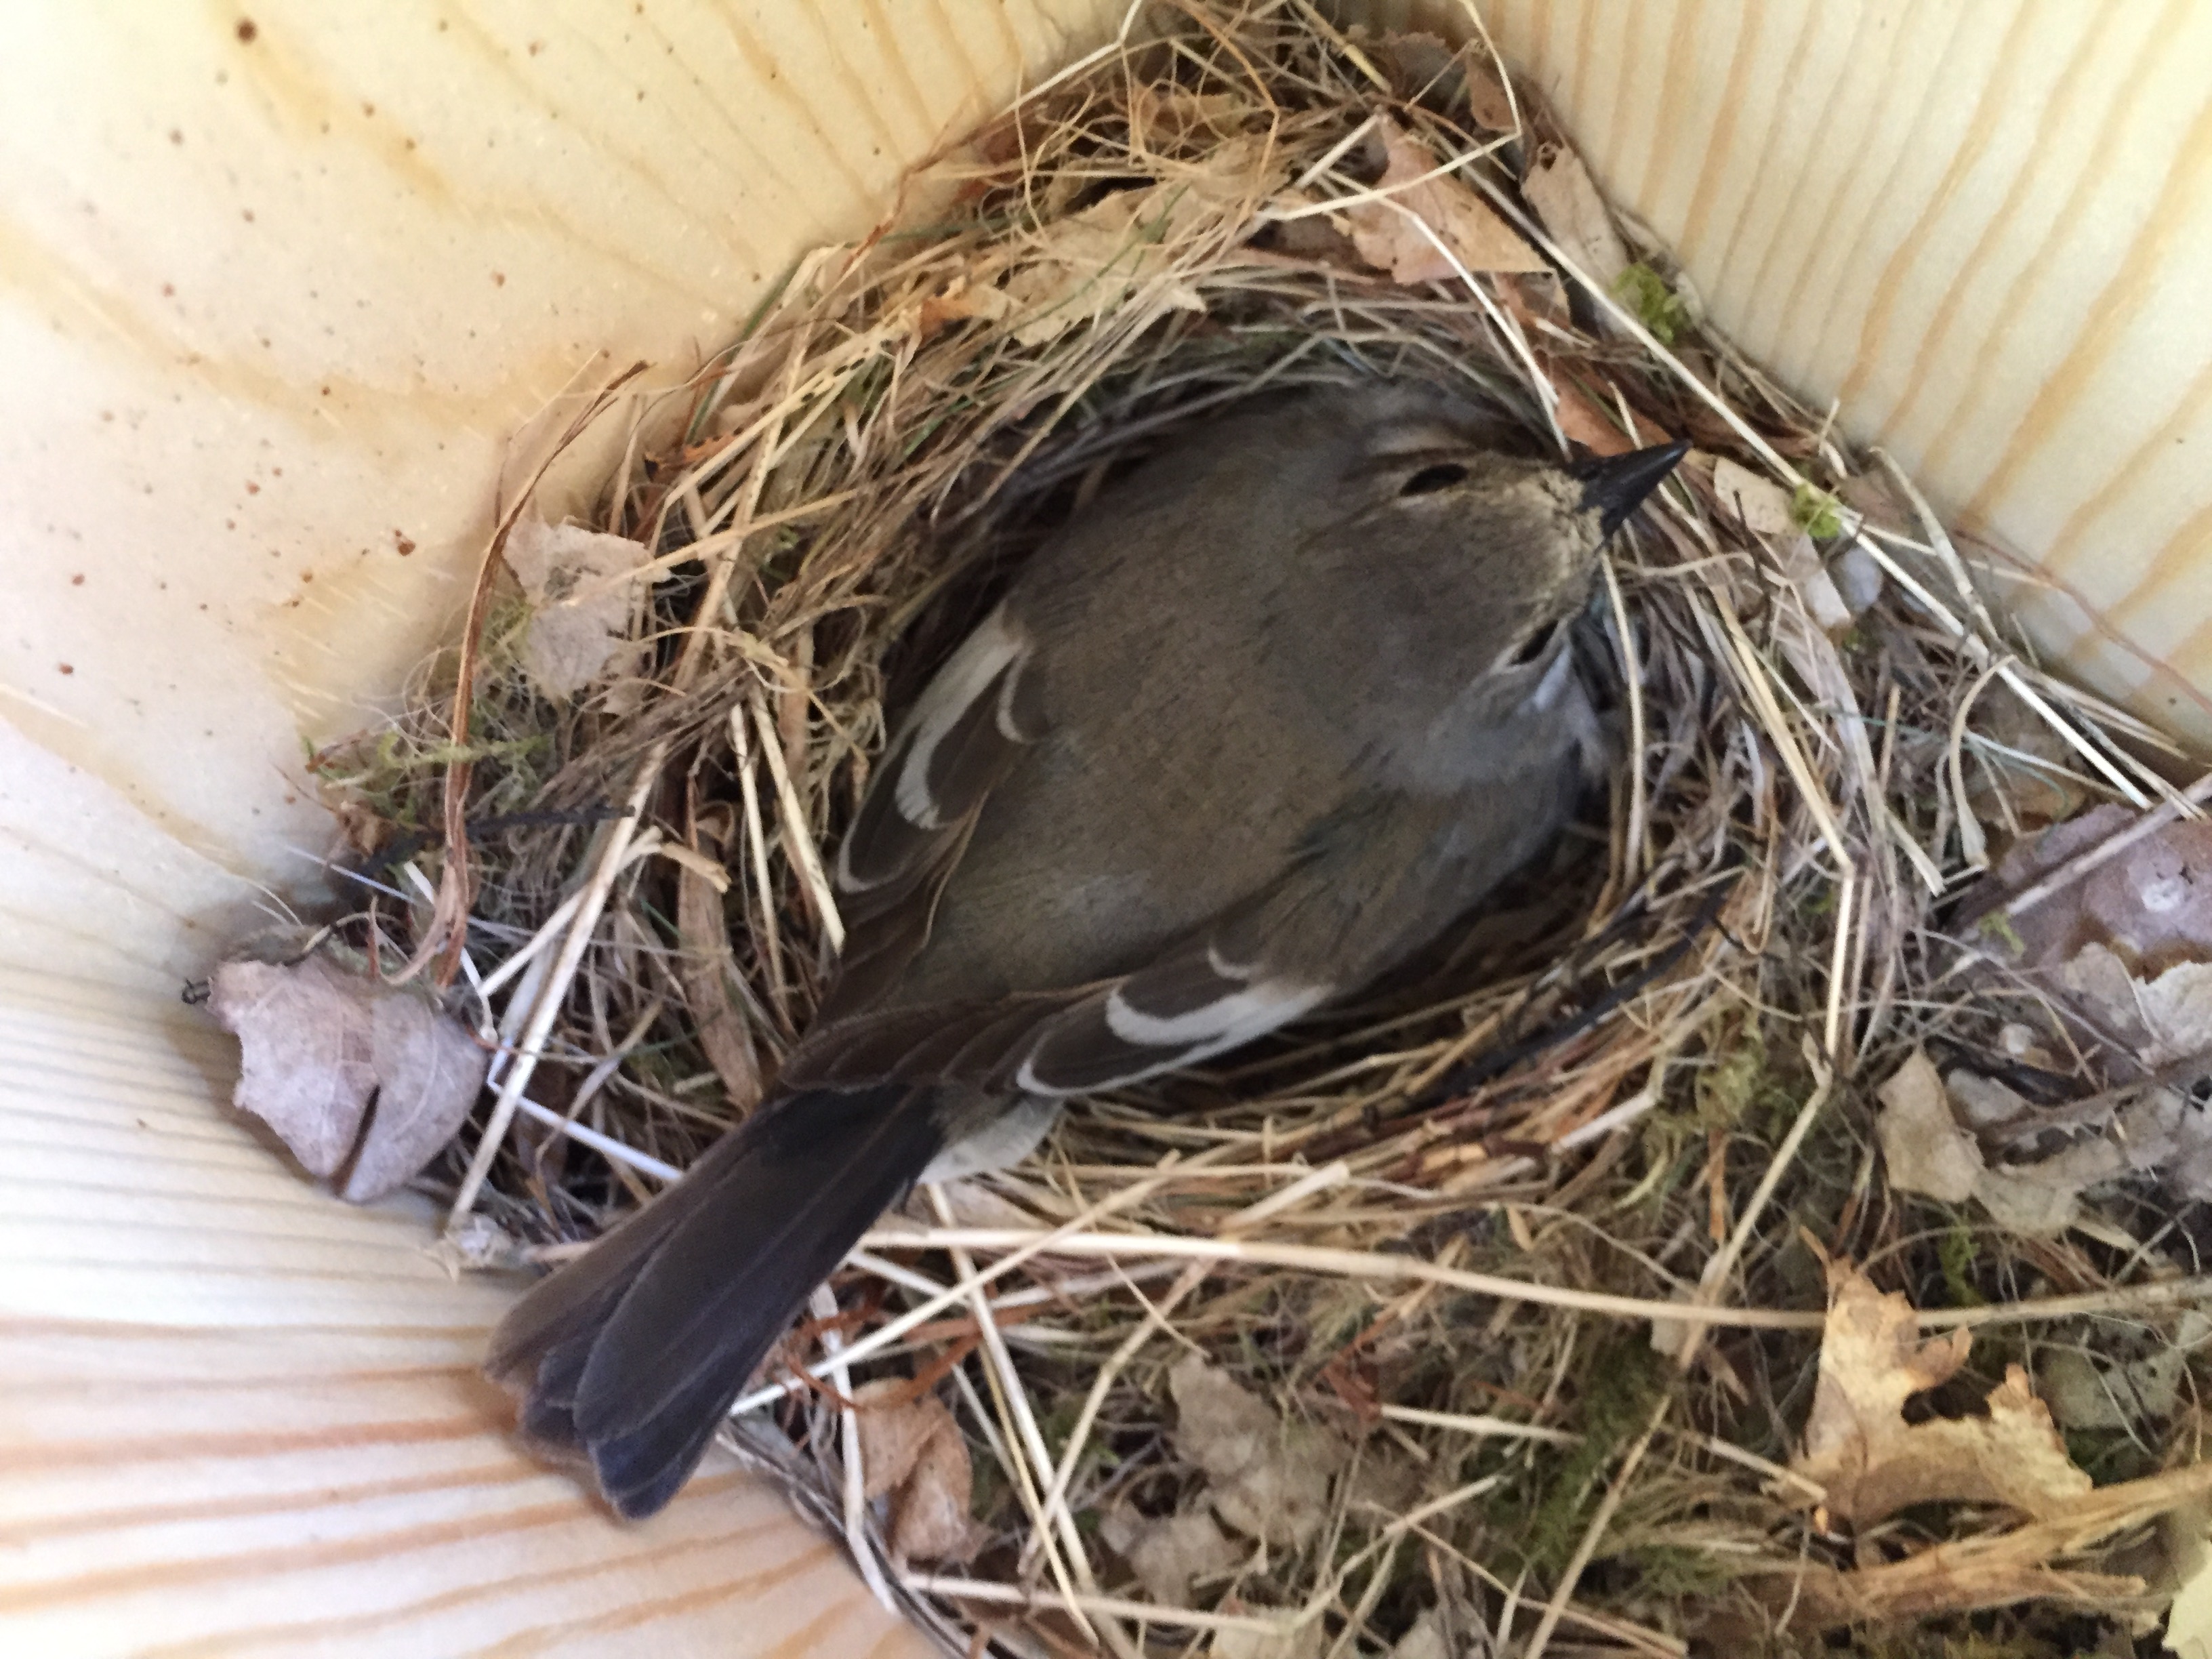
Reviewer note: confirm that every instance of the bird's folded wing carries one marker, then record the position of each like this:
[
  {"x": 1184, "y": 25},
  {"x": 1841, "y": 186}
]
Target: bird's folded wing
[
  {"x": 1379, "y": 875},
  {"x": 979, "y": 715},
  {"x": 1206, "y": 996}
]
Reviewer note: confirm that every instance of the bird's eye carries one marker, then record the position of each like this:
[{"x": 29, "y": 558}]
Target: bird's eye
[
  {"x": 1533, "y": 646},
  {"x": 1429, "y": 479}
]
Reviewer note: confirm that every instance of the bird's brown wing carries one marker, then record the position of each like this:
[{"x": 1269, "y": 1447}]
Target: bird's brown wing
[{"x": 980, "y": 713}]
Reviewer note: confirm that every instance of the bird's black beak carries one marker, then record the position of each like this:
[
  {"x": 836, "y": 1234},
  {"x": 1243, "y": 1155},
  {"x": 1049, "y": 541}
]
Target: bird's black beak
[{"x": 1614, "y": 485}]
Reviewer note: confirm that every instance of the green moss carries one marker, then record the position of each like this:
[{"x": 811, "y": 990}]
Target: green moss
[
  {"x": 1998, "y": 925},
  {"x": 1958, "y": 1252},
  {"x": 1625, "y": 1381},
  {"x": 1673, "y": 1572},
  {"x": 1657, "y": 306},
  {"x": 1727, "y": 1087},
  {"x": 1816, "y": 512}
]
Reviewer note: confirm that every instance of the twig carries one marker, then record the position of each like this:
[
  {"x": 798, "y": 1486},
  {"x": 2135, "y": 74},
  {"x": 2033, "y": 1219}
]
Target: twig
[
  {"x": 547, "y": 1007},
  {"x": 1352, "y": 1264}
]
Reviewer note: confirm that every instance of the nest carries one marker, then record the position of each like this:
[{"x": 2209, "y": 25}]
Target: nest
[{"x": 1493, "y": 1303}]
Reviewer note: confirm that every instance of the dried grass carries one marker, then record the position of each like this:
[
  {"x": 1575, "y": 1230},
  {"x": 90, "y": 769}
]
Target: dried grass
[{"x": 1450, "y": 1263}]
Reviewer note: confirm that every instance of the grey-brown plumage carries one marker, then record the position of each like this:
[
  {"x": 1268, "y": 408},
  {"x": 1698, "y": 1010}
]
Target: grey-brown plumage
[{"x": 1249, "y": 731}]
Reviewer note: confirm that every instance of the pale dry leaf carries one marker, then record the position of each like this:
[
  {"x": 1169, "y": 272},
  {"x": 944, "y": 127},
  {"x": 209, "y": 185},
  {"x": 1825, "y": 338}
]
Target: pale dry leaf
[
  {"x": 1858, "y": 578},
  {"x": 429, "y": 1070},
  {"x": 2039, "y": 1197},
  {"x": 1089, "y": 263},
  {"x": 1425, "y": 1640},
  {"x": 1923, "y": 1147},
  {"x": 1560, "y": 187},
  {"x": 1760, "y": 504},
  {"x": 580, "y": 585},
  {"x": 1093, "y": 260},
  {"x": 2177, "y": 1007},
  {"x": 1267, "y": 1477},
  {"x": 912, "y": 1452},
  {"x": 2030, "y": 1204},
  {"x": 2160, "y": 1131},
  {"x": 959, "y": 301},
  {"x": 2167, "y": 1132},
  {"x": 1307, "y": 1641},
  {"x": 1168, "y": 1551},
  {"x": 1390, "y": 234},
  {"x": 1816, "y": 587},
  {"x": 1927, "y": 1129},
  {"x": 892, "y": 1430},
  {"x": 351, "y": 1074},
  {"x": 2095, "y": 1391},
  {"x": 929, "y": 1518},
  {"x": 1220, "y": 1426},
  {"x": 2189, "y": 1621},
  {"x": 2163, "y": 1018},
  {"x": 1162, "y": 116},
  {"x": 1872, "y": 1462},
  {"x": 305, "y": 1067},
  {"x": 1982, "y": 1103}
]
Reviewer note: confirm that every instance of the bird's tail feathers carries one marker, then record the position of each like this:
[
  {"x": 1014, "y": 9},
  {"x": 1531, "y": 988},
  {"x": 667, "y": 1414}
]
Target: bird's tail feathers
[{"x": 629, "y": 1357}]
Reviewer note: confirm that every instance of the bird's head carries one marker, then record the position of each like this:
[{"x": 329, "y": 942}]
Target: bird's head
[{"x": 1470, "y": 546}]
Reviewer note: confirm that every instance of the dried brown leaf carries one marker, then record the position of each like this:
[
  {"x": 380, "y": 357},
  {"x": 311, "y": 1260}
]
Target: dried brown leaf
[
  {"x": 1390, "y": 234},
  {"x": 1560, "y": 187},
  {"x": 912, "y": 1452},
  {"x": 1486, "y": 99},
  {"x": 707, "y": 968},
  {"x": 1589, "y": 426},
  {"x": 1872, "y": 1462},
  {"x": 2150, "y": 905},
  {"x": 1536, "y": 298}
]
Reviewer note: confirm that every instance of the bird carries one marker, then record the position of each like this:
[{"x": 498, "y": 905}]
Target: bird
[{"x": 1250, "y": 729}]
